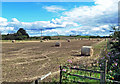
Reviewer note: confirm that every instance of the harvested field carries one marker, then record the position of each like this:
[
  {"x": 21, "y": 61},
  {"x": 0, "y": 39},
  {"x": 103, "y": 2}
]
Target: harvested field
[{"x": 26, "y": 61}]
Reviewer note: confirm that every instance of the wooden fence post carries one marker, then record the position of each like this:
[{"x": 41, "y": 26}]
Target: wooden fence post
[
  {"x": 36, "y": 82},
  {"x": 102, "y": 78},
  {"x": 106, "y": 61},
  {"x": 60, "y": 75},
  {"x": 103, "y": 74}
]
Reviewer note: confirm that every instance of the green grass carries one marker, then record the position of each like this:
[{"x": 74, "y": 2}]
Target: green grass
[
  {"x": 98, "y": 47},
  {"x": 69, "y": 78}
]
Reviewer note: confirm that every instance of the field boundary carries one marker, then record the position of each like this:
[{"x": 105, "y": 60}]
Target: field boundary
[{"x": 102, "y": 78}]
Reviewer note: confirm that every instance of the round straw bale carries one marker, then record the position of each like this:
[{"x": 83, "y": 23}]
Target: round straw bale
[
  {"x": 58, "y": 44},
  {"x": 68, "y": 40},
  {"x": 41, "y": 40},
  {"x": 86, "y": 50},
  {"x": 13, "y": 41},
  {"x": 98, "y": 39}
]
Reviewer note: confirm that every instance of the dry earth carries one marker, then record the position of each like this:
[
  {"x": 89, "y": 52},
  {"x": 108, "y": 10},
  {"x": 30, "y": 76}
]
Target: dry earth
[{"x": 27, "y": 61}]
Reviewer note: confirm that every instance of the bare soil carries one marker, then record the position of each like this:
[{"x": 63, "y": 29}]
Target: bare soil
[{"x": 27, "y": 61}]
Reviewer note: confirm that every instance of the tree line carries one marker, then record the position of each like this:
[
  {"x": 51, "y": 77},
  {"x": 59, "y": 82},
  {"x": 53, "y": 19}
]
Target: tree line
[{"x": 21, "y": 34}]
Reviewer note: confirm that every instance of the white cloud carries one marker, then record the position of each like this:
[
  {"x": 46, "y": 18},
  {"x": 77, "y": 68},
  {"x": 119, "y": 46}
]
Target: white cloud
[
  {"x": 3, "y": 19},
  {"x": 33, "y": 28},
  {"x": 82, "y": 30},
  {"x": 94, "y": 20},
  {"x": 14, "y": 20},
  {"x": 96, "y": 29},
  {"x": 36, "y": 26},
  {"x": 6, "y": 30},
  {"x": 103, "y": 12},
  {"x": 53, "y": 8},
  {"x": 90, "y": 20},
  {"x": 3, "y": 26}
]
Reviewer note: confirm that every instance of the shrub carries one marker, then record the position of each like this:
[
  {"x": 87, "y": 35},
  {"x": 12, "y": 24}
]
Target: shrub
[
  {"x": 46, "y": 37},
  {"x": 20, "y": 35},
  {"x": 112, "y": 54}
]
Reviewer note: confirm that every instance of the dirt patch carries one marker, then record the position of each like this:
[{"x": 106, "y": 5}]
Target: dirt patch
[{"x": 22, "y": 62}]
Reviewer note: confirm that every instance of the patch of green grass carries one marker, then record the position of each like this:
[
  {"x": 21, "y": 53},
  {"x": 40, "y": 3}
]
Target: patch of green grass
[
  {"x": 6, "y": 40},
  {"x": 98, "y": 47},
  {"x": 68, "y": 78}
]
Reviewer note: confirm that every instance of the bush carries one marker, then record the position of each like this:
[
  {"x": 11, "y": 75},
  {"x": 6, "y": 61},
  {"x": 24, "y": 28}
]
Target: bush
[
  {"x": 46, "y": 37},
  {"x": 112, "y": 54},
  {"x": 20, "y": 35}
]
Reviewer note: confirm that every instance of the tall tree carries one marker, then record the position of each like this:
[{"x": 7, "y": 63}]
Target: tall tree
[{"x": 22, "y": 32}]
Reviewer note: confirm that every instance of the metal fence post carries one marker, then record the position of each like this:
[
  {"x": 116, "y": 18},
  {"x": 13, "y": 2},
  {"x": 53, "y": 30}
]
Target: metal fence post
[{"x": 60, "y": 75}]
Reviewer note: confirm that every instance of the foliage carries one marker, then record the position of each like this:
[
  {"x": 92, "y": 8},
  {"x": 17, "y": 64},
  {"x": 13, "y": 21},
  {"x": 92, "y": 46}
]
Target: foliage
[
  {"x": 20, "y": 35},
  {"x": 112, "y": 54},
  {"x": 100, "y": 37},
  {"x": 90, "y": 36},
  {"x": 46, "y": 37},
  {"x": 34, "y": 38},
  {"x": 66, "y": 71},
  {"x": 21, "y": 32}
]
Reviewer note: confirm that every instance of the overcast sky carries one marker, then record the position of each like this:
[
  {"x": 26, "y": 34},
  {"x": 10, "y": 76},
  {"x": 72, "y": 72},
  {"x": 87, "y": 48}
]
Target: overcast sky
[{"x": 63, "y": 18}]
